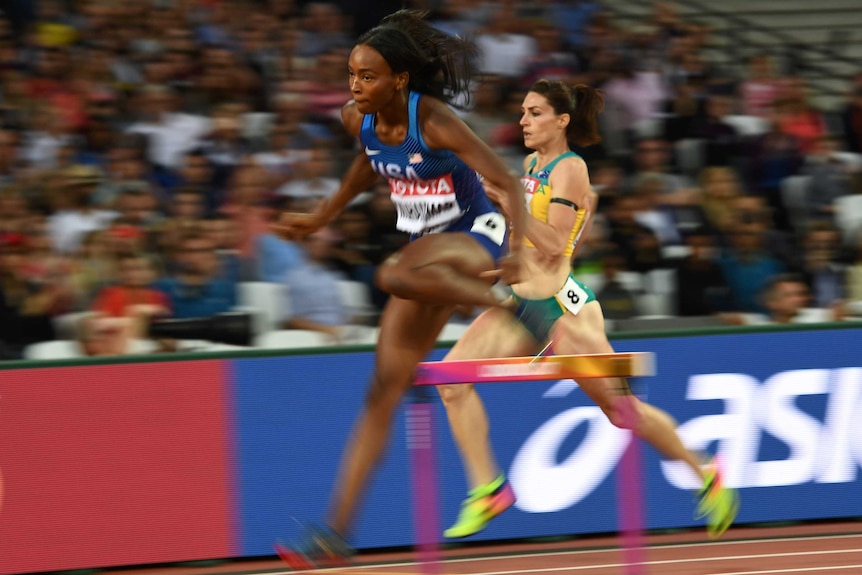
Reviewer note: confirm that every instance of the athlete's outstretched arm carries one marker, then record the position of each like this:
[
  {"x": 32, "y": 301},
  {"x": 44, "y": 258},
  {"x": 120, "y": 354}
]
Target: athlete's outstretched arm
[{"x": 358, "y": 178}]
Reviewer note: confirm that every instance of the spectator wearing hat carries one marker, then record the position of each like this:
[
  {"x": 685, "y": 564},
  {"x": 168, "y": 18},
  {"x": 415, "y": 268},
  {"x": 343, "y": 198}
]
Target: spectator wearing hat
[{"x": 69, "y": 225}]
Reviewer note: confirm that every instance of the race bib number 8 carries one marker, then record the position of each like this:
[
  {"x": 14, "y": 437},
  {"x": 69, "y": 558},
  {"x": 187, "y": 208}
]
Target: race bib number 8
[
  {"x": 491, "y": 225},
  {"x": 572, "y": 296}
]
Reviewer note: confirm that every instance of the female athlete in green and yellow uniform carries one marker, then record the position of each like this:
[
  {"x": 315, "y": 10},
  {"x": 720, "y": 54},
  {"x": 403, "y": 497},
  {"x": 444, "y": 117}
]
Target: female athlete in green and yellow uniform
[{"x": 553, "y": 309}]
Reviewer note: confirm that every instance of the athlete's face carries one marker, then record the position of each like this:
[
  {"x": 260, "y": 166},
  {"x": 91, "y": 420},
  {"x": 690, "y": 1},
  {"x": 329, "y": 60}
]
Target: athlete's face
[
  {"x": 372, "y": 82},
  {"x": 540, "y": 124}
]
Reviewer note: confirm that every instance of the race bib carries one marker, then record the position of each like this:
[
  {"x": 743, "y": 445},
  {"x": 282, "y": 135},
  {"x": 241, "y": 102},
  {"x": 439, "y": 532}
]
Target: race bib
[
  {"x": 572, "y": 296},
  {"x": 531, "y": 186},
  {"x": 491, "y": 225},
  {"x": 424, "y": 206}
]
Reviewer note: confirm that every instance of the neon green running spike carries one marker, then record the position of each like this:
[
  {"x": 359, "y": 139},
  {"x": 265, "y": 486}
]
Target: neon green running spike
[
  {"x": 482, "y": 505},
  {"x": 717, "y": 503}
]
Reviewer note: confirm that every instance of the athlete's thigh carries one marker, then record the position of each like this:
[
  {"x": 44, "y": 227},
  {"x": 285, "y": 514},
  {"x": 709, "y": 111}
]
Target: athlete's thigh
[
  {"x": 458, "y": 249},
  {"x": 495, "y": 333},
  {"x": 582, "y": 334},
  {"x": 408, "y": 333}
]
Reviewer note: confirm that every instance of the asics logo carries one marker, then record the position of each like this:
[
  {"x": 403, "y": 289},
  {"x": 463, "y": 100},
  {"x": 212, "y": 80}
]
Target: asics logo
[
  {"x": 822, "y": 445},
  {"x": 545, "y": 486}
]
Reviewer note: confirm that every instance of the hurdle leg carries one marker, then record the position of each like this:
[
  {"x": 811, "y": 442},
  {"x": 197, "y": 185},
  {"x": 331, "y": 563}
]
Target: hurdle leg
[
  {"x": 423, "y": 471},
  {"x": 531, "y": 368},
  {"x": 630, "y": 499}
]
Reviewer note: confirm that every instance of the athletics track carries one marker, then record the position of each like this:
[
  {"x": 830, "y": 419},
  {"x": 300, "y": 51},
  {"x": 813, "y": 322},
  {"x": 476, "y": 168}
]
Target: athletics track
[{"x": 827, "y": 548}]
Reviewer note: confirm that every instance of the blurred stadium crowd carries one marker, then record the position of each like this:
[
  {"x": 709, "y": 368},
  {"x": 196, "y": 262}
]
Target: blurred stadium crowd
[{"x": 146, "y": 147}]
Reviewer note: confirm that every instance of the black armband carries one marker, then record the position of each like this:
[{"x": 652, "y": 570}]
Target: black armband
[{"x": 565, "y": 202}]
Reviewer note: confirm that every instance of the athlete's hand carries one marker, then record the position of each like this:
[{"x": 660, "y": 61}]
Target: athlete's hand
[
  {"x": 508, "y": 269},
  {"x": 295, "y": 225}
]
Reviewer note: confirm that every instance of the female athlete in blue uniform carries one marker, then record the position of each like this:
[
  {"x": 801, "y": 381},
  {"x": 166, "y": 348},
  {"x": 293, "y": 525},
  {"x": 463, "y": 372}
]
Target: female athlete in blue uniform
[{"x": 402, "y": 74}]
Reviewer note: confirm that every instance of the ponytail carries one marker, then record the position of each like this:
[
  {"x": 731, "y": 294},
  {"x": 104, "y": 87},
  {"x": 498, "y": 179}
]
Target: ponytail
[
  {"x": 582, "y": 103},
  {"x": 583, "y": 128}
]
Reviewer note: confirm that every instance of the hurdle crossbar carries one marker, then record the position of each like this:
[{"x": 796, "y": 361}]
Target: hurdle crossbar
[
  {"x": 634, "y": 364},
  {"x": 421, "y": 436}
]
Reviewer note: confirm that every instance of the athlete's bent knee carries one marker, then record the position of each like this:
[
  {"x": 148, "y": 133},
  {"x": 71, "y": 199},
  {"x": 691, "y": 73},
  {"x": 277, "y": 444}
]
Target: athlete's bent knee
[
  {"x": 454, "y": 394},
  {"x": 623, "y": 412},
  {"x": 393, "y": 280},
  {"x": 617, "y": 419}
]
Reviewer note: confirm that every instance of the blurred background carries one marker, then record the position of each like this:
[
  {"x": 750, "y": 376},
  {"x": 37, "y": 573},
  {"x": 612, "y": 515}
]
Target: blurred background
[{"x": 146, "y": 146}]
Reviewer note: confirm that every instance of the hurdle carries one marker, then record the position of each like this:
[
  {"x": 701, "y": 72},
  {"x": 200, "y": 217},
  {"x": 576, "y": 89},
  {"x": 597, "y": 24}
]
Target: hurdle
[{"x": 420, "y": 437}]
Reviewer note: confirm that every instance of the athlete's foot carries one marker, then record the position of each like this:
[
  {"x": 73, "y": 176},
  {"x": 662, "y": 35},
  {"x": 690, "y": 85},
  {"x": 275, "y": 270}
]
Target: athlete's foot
[
  {"x": 717, "y": 503},
  {"x": 321, "y": 547},
  {"x": 481, "y": 506}
]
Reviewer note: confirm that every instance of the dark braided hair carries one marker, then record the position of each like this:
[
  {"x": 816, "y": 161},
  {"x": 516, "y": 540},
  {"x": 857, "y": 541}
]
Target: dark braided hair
[{"x": 438, "y": 64}]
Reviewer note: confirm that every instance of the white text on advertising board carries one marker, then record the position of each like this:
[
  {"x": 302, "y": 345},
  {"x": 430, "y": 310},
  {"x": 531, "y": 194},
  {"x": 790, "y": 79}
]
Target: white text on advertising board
[{"x": 827, "y": 450}]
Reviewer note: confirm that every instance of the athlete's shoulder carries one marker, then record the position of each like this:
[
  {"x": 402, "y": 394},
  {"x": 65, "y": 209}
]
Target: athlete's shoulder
[
  {"x": 434, "y": 113},
  {"x": 432, "y": 105},
  {"x": 570, "y": 164},
  {"x": 441, "y": 128},
  {"x": 571, "y": 169},
  {"x": 351, "y": 118},
  {"x": 528, "y": 160}
]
